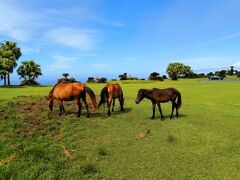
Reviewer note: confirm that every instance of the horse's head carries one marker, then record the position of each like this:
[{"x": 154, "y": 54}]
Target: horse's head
[
  {"x": 49, "y": 102},
  {"x": 140, "y": 96}
]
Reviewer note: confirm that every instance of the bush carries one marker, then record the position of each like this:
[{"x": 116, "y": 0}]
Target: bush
[
  {"x": 238, "y": 74},
  {"x": 90, "y": 80},
  {"x": 66, "y": 80},
  {"x": 101, "y": 80},
  {"x": 88, "y": 168},
  {"x": 164, "y": 77}
]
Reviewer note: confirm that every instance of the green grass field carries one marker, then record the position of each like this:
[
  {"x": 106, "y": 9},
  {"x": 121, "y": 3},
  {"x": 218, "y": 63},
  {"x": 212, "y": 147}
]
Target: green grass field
[{"x": 204, "y": 142}]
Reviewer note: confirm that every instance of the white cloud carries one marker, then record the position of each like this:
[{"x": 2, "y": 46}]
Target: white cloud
[
  {"x": 207, "y": 62},
  {"x": 236, "y": 64},
  {"x": 83, "y": 14},
  {"x": 16, "y": 23},
  {"x": 130, "y": 59},
  {"x": 82, "y": 39},
  {"x": 99, "y": 66},
  {"x": 219, "y": 39},
  {"x": 61, "y": 62}
]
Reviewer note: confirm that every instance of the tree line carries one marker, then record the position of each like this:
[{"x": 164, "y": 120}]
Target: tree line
[{"x": 29, "y": 70}]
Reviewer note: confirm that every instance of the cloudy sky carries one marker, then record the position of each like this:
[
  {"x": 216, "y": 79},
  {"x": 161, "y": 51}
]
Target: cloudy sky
[{"x": 109, "y": 37}]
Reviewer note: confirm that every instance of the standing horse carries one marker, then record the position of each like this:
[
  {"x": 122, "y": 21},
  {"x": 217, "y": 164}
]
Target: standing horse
[
  {"x": 109, "y": 93},
  {"x": 69, "y": 92},
  {"x": 158, "y": 96}
]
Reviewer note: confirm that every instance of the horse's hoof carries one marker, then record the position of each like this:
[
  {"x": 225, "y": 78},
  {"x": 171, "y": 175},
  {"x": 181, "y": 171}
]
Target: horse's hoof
[{"x": 153, "y": 118}]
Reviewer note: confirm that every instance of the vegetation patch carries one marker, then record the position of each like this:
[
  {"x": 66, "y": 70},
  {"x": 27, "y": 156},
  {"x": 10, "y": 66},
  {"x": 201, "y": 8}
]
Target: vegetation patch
[
  {"x": 102, "y": 151},
  {"x": 88, "y": 168},
  {"x": 171, "y": 139}
]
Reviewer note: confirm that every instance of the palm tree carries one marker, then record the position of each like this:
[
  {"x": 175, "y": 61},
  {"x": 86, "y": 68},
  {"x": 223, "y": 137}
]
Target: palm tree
[
  {"x": 30, "y": 71},
  {"x": 9, "y": 54}
]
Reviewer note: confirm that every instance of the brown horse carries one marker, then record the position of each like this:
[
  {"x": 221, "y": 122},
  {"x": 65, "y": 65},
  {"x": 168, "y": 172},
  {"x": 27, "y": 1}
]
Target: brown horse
[
  {"x": 109, "y": 93},
  {"x": 158, "y": 96},
  {"x": 68, "y": 92}
]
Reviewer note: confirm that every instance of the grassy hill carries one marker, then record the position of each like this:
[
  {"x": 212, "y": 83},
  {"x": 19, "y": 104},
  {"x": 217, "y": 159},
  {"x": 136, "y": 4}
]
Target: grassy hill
[{"x": 204, "y": 142}]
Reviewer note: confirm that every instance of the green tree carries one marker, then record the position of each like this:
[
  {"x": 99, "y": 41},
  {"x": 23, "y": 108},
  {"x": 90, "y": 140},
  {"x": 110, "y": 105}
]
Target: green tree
[
  {"x": 101, "y": 80},
  {"x": 90, "y": 80},
  {"x": 65, "y": 75},
  {"x": 176, "y": 70},
  {"x": 123, "y": 76},
  {"x": 9, "y": 54},
  {"x": 29, "y": 71},
  {"x": 155, "y": 76},
  {"x": 222, "y": 73},
  {"x": 231, "y": 71},
  {"x": 238, "y": 74}
]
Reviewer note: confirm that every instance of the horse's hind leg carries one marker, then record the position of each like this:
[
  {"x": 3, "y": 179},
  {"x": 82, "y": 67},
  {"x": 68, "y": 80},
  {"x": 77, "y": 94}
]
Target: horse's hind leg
[
  {"x": 109, "y": 102},
  {"x": 160, "y": 109},
  {"x": 173, "y": 106},
  {"x": 176, "y": 108},
  {"x": 121, "y": 100},
  {"x": 79, "y": 104},
  {"x": 113, "y": 105},
  {"x": 86, "y": 106}
]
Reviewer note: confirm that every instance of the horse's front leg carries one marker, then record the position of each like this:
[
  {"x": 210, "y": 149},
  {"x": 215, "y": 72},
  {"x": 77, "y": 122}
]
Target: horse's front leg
[
  {"x": 113, "y": 105},
  {"x": 86, "y": 106},
  {"x": 109, "y": 102},
  {"x": 154, "y": 106},
  {"x": 60, "y": 106},
  {"x": 160, "y": 110}
]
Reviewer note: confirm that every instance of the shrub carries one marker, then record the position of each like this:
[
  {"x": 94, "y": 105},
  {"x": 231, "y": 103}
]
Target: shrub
[
  {"x": 66, "y": 80},
  {"x": 90, "y": 80},
  {"x": 101, "y": 80},
  {"x": 88, "y": 168}
]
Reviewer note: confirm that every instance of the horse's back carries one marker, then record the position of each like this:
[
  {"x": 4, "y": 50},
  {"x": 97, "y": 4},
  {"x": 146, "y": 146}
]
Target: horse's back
[
  {"x": 165, "y": 95},
  {"x": 114, "y": 89},
  {"x": 67, "y": 91}
]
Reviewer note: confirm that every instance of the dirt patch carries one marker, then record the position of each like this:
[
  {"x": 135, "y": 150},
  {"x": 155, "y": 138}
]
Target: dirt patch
[
  {"x": 34, "y": 117},
  {"x": 142, "y": 135}
]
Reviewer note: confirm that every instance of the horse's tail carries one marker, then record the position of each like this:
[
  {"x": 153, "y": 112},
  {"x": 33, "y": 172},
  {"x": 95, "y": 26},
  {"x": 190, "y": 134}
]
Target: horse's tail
[
  {"x": 179, "y": 100},
  {"x": 104, "y": 96},
  {"x": 92, "y": 97}
]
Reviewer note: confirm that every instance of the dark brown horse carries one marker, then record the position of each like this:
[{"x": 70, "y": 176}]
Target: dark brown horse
[
  {"x": 109, "y": 93},
  {"x": 68, "y": 92},
  {"x": 158, "y": 96}
]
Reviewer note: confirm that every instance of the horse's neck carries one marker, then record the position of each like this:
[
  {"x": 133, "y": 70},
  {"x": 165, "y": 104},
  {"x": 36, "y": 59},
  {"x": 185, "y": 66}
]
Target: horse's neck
[
  {"x": 50, "y": 96},
  {"x": 148, "y": 94}
]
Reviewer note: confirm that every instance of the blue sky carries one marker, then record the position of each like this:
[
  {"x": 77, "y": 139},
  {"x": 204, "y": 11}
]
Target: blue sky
[{"x": 110, "y": 37}]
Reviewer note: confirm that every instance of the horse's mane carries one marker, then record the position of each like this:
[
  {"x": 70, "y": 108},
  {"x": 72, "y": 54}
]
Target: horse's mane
[{"x": 51, "y": 92}]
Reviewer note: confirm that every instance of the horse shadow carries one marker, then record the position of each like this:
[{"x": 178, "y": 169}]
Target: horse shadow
[
  {"x": 180, "y": 116},
  {"x": 102, "y": 113}
]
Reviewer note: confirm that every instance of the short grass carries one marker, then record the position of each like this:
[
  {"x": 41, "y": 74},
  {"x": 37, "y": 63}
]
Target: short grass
[{"x": 204, "y": 142}]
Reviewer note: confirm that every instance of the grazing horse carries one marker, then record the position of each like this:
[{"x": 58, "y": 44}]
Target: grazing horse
[
  {"x": 109, "y": 93},
  {"x": 158, "y": 96},
  {"x": 68, "y": 92}
]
